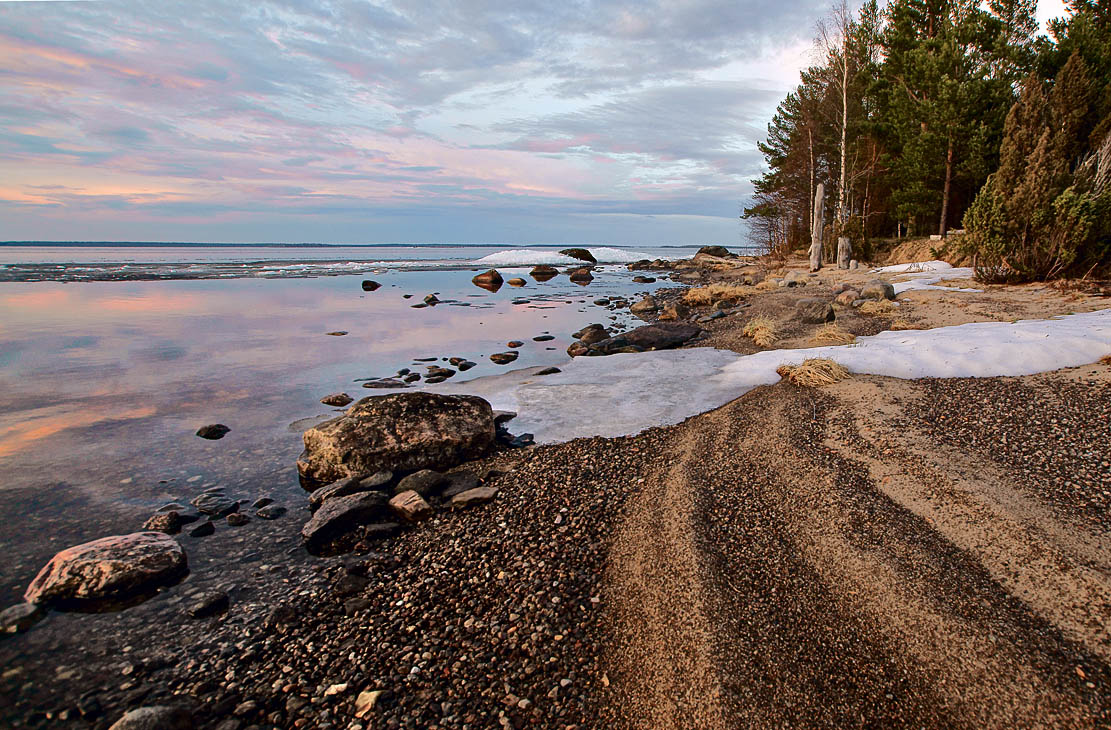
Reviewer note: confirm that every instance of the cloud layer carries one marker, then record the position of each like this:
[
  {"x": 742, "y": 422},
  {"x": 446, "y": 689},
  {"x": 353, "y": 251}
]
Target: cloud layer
[{"x": 351, "y": 121}]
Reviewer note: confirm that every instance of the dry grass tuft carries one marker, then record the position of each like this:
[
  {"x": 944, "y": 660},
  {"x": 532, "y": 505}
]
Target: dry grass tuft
[
  {"x": 832, "y": 334},
  {"x": 902, "y": 323},
  {"x": 761, "y": 330},
  {"x": 883, "y": 306},
  {"x": 1106, "y": 359},
  {"x": 705, "y": 295},
  {"x": 766, "y": 285},
  {"x": 814, "y": 372}
]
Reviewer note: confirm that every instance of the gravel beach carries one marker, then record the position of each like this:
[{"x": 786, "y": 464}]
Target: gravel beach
[{"x": 876, "y": 553}]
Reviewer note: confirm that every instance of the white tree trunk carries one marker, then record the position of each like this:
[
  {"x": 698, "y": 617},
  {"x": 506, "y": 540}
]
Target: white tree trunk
[{"x": 816, "y": 225}]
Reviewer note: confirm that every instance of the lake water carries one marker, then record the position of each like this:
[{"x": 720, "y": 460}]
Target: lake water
[{"x": 103, "y": 381}]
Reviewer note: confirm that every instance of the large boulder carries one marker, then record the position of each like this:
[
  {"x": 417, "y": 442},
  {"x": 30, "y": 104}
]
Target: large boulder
[
  {"x": 662, "y": 336},
  {"x": 397, "y": 432},
  {"x": 674, "y": 310},
  {"x": 336, "y": 517},
  {"x": 489, "y": 280},
  {"x": 814, "y": 311},
  {"x": 112, "y": 569},
  {"x": 718, "y": 251},
  {"x": 647, "y": 305},
  {"x": 579, "y": 253},
  {"x": 582, "y": 275},
  {"x": 877, "y": 289}
]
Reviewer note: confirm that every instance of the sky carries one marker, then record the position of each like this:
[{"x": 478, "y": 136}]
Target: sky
[{"x": 348, "y": 121}]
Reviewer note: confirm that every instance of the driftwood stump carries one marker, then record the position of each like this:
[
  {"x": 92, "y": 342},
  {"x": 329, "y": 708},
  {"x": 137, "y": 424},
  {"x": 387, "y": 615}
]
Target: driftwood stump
[
  {"x": 844, "y": 252},
  {"x": 816, "y": 225}
]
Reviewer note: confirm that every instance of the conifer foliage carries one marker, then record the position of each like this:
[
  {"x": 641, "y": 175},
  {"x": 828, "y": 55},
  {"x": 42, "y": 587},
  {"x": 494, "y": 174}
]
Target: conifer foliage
[{"x": 924, "y": 113}]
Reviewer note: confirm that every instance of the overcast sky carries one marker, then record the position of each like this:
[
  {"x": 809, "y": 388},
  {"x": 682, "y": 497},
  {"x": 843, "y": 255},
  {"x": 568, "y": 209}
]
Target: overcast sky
[{"x": 518, "y": 121}]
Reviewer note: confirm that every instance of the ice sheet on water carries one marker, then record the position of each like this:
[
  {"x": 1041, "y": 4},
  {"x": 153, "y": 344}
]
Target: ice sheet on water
[
  {"x": 627, "y": 393},
  {"x": 529, "y": 257}
]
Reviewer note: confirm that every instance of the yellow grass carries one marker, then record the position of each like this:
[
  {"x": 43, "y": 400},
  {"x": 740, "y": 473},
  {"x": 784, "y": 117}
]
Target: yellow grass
[
  {"x": 814, "y": 372},
  {"x": 767, "y": 284},
  {"x": 883, "y": 306},
  {"x": 705, "y": 295},
  {"x": 832, "y": 334},
  {"x": 762, "y": 331},
  {"x": 902, "y": 323},
  {"x": 1106, "y": 359}
]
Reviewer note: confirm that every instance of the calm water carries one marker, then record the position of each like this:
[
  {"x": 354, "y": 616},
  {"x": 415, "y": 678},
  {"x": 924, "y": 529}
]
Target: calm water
[{"x": 103, "y": 384}]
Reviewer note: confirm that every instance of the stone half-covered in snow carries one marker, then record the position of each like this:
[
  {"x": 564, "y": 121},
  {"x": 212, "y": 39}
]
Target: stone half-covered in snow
[
  {"x": 401, "y": 432},
  {"x": 117, "y": 570}
]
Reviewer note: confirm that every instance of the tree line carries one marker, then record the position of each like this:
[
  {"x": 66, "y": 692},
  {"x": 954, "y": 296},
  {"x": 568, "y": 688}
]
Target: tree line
[{"x": 926, "y": 115}]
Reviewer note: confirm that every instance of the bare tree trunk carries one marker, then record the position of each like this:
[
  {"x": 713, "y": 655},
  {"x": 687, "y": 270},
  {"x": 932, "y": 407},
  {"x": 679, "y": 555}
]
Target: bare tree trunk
[
  {"x": 844, "y": 123},
  {"x": 844, "y": 252},
  {"x": 816, "y": 225},
  {"x": 810, "y": 136},
  {"x": 943, "y": 226}
]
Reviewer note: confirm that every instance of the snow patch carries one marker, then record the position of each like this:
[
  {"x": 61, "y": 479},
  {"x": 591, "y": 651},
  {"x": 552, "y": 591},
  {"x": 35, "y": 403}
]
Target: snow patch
[
  {"x": 926, "y": 274},
  {"x": 627, "y": 393}
]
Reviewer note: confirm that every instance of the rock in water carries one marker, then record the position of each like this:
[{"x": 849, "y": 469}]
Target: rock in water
[
  {"x": 337, "y": 399},
  {"x": 814, "y": 311},
  {"x": 489, "y": 280},
  {"x": 349, "y": 485},
  {"x": 661, "y": 336},
  {"x": 544, "y": 272},
  {"x": 719, "y": 251},
  {"x": 369, "y": 285},
  {"x": 582, "y": 275},
  {"x": 503, "y": 358},
  {"x": 155, "y": 718},
  {"x": 877, "y": 289},
  {"x": 398, "y": 432},
  {"x": 167, "y": 522},
  {"x": 338, "y": 516},
  {"x": 20, "y": 617},
  {"x": 516, "y": 281},
  {"x": 114, "y": 568},
  {"x": 213, "y": 431},
  {"x": 579, "y": 253},
  {"x": 646, "y": 305}
]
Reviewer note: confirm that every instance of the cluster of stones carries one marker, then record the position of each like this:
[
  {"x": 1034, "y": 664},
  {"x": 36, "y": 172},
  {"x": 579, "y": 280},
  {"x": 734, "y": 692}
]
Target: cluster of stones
[{"x": 380, "y": 466}]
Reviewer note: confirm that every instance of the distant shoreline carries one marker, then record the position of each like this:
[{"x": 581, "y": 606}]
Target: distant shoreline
[{"x": 195, "y": 244}]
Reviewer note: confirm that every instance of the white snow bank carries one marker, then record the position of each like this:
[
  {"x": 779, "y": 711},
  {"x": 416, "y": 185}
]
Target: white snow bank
[
  {"x": 627, "y": 393},
  {"x": 926, "y": 274},
  {"x": 529, "y": 257}
]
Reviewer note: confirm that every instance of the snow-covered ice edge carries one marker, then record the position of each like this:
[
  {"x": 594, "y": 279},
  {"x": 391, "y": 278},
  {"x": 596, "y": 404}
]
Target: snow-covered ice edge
[{"x": 625, "y": 394}]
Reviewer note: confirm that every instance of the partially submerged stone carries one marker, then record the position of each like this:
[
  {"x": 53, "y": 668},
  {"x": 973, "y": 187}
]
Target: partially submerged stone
[
  {"x": 213, "y": 431},
  {"x": 398, "y": 432},
  {"x": 115, "y": 568},
  {"x": 339, "y": 516}
]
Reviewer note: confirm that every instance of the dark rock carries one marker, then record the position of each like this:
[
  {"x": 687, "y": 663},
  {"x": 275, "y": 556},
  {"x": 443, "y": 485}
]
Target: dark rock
[
  {"x": 111, "y": 568},
  {"x": 579, "y": 253},
  {"x": 384, "y": 383},
  {"x": 478, "y": 495},
  {"x": 271, "y": 512},
  {"x": 549, "y": 371},
  {"x": 208, "y": 604},
  {"x": 341, "y": 515},
  {"x": 582, "y": 275},
  {"x": 431, "y": 300},
  {"x": 577, "y": 349},
  {"x": 433, "y": 379},
  {"x": 674, "y": 311},
  {"x": 543, "y": 273},
  {"x": 435, "y": 371},
  {"x": 412, "y": 377},
  {"x": 167, "y": 522},
  {"x": 337, "y": 399},
  {"x": 466, "y": 365},
  {"x": 261, "y": 502},
  {"x": 644, "y": 279},
  {"x": 20, "y": 617},
  {"x": 514, "y": 343},
  {"x": 204, "y": 529},
  {"x": 503, "y": 417},
  {"x": 521, "y": 441},
  {"x": 214, "y": 504},
  {"x": 237, "y": 519},
  {"x": 646, "y": 305},
  {"x": 718, "y": 251},
  {"x": 369, "y": 285},
  {"x": 459, "y": 482},
  {"x": 425, "y": 482},
  {"x": 516, "y": 281},
  {"x": 282, "y": 619},
  {"x": 155, "y": 718},
  {"x": 877, "y": 289},
  {"x": 349, "y": 585},
  {"x": 213, "y": 431},
  {"x": 490, "y": 280},
  {"x": 662, "y": 336},
  {"x": 814, "y": 311},
  {"x": 337, "y": 333},
  {"x": 543, "y": 338},
  {"x": 603, "y": 302},
  {"x": 353, "y": 606},
  {"x": 503, "y": 358},
  {"x": 349, "y": 485},
  {"x": 591, "y": 334}
]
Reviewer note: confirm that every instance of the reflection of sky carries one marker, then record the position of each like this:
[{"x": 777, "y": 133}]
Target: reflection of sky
[{"x": 167, "y": 357}]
